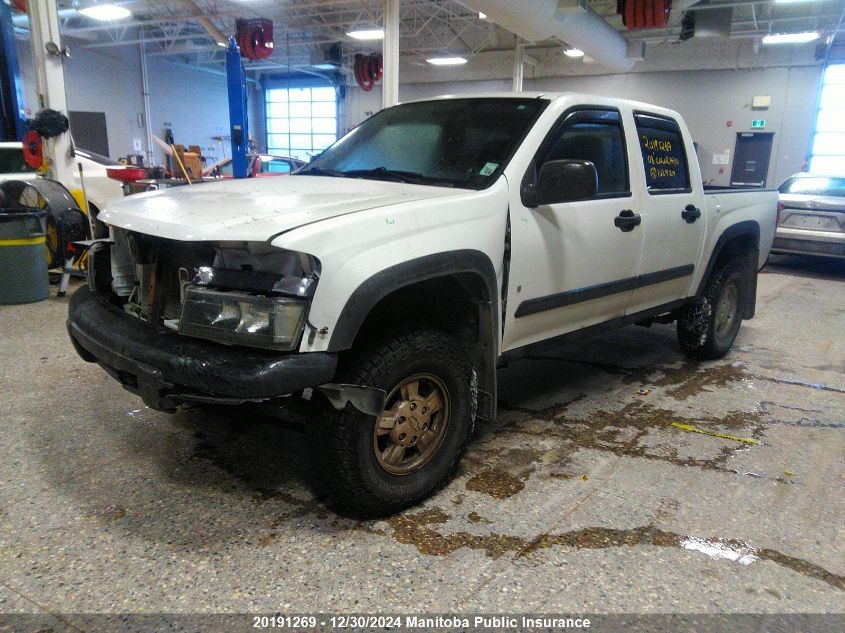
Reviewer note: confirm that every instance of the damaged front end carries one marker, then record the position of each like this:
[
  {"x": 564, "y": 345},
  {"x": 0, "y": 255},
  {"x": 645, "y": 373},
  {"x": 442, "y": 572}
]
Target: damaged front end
[
  {"x": 230, "y": 292},
  {"x": 196, "y": 321}
]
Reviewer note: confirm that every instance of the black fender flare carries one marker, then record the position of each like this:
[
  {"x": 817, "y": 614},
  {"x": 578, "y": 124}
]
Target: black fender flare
[
  {"x": 746, "y": 227},
  {"x": 370, "y": 292}
]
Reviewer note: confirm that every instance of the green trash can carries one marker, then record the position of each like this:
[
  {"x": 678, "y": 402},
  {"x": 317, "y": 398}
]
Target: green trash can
[{"x": 23, "y": 265}]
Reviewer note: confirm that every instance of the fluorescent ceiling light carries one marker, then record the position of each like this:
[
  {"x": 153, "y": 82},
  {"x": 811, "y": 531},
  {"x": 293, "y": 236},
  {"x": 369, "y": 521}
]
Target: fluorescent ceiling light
[
  {"x": 482, "y": 15},
  {"x": 367, "y": 34},
  {"x": 105, "y": 12},
  {"x": 447, "y": 61},
  {"x": 790, "y": 38},
  {"x": 573, "y": 52}
]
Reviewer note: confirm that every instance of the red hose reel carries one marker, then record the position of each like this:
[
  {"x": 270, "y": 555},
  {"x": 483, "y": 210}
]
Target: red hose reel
[
  {"x": 254, "y": 37},
  {"x": 33, "y": 149},
  {"x": 644, "y": 14},
  {"x": 368, "y": 70}
]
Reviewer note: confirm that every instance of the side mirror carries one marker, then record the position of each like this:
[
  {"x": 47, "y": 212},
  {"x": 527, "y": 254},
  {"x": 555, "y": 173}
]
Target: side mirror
[{"x": 566, "y": 180}]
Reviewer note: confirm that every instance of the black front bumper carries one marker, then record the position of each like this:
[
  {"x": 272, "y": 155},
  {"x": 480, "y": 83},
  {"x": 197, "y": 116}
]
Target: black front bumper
[{"x": 166, "y": 368}]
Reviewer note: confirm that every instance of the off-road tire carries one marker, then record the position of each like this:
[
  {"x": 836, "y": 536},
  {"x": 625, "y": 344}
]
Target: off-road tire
[
  {"x": 340, "y": 442},
  {"x": 699, "y": 333}
]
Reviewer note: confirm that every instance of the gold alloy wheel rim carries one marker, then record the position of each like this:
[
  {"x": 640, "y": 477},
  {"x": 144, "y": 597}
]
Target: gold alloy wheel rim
[
  {"x": 413, "y": 425},
  {"x": 726, "y": 310}
]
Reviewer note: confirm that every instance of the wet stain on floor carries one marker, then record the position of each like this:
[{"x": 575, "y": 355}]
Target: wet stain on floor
[
  {"x": 416, "y": 529},
  {"x": 495, "y": 482},
  {"x": 419, "y": 529},
  {"x": 627, "y": 433},
  {"x": 802, "y": 383},
  {"x": 474, "y": 517},
  {"x": 492, "y": 468},
  {"x": 691, "y": 378}
]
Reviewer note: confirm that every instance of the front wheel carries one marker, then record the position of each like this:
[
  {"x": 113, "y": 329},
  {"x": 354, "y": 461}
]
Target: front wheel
[
  {"x": 379, "y": 465},
  {"x": 708, "y": 329}
]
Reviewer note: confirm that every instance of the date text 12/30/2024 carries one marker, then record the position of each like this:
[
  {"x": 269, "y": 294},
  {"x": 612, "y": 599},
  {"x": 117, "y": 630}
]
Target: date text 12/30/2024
[{"x": 418, "y": 622}]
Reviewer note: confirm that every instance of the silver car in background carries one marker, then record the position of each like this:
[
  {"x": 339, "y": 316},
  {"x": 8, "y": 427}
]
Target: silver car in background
[{"x": 811, "y": 216}]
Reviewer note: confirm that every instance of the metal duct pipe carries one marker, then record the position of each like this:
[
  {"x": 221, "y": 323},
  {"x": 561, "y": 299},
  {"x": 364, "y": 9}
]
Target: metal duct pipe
[{"x": 572, "y": 22}]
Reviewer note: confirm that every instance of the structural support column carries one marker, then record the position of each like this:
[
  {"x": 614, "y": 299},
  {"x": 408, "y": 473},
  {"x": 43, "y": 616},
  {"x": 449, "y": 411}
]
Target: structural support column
[
  {"x": 238, "y": 121},
  {"x": 390, "y": 54},
  {"x": 518, "y": 65},
  {"x": 11, "y": 92},
  {"x": 145, "y": 88},
  {"x": 50, "y": 83}
]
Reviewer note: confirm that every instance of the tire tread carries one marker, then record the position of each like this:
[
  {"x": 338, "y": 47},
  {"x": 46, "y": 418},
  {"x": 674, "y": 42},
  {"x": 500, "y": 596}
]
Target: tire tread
[{"x": 335, "y": 460}]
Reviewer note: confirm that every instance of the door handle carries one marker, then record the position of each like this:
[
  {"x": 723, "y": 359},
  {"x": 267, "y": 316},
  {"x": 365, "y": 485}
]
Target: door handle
[
  {"x": 691, "y": 213},
  {"x": 627, "y": 220}
]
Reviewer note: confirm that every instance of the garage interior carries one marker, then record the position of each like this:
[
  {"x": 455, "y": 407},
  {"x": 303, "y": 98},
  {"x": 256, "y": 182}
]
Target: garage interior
[{"x": 619, "y": 476}]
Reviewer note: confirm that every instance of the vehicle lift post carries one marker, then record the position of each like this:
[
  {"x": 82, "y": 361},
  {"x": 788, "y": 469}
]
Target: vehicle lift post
[
  {"x": 11, "y": 92},
  {"x": 238, "y": 123}
]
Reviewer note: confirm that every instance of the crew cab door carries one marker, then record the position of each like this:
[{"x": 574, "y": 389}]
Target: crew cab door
[
  {"x": 571, "y": 262},
  {"x": 673, "y": 212}
]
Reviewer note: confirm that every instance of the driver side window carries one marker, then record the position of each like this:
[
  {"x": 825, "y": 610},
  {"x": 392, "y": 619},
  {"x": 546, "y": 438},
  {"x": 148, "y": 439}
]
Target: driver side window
[{"x": 595, "y": 136}]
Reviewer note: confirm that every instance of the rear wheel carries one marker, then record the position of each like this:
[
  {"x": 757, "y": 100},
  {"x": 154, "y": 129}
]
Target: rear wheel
[
  {"x": 378, "y": 465},
  {"x": 708, "y": 329}
]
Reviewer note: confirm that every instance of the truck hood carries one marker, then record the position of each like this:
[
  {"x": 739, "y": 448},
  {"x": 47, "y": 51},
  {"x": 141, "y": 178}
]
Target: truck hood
[{"x": 256, "y": 209}]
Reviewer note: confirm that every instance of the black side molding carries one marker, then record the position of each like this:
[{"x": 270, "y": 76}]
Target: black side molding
[
  {"x": 561, "y": 299},
  {"x": 593, "y": 330}
]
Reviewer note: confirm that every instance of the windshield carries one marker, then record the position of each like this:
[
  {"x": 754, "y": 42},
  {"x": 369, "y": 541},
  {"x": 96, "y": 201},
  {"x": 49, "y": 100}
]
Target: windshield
[
  {"x": 814, "y": 185},
  {"x": 452, "y": 142}
]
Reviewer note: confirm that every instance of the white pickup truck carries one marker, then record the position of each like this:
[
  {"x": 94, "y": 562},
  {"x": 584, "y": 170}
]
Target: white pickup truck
[{"x": 387, "y": 280}]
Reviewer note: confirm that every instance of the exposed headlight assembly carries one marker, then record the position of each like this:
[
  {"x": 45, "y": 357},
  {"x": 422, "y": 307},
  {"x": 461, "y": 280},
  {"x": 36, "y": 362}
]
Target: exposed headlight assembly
[{"x": 243, "y": 319}]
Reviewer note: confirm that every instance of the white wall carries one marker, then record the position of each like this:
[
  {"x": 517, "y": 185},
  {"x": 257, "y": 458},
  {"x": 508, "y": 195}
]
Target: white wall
[
  {"x": 707, "y": 99},
  {"x": 194, "y": 103},
  {"x": 103, "y": 80}
]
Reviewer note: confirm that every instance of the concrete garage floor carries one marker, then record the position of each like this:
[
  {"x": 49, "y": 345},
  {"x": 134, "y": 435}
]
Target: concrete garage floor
[{"x": 582, "y": 498}]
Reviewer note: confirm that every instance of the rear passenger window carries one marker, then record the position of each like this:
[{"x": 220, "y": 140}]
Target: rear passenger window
[
  {"x": 596, "y": 136},
  {"x": 664, "y": 156}
]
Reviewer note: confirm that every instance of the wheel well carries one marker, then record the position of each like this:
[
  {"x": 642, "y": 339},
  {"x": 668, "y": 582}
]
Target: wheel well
[
  {"x": 457, "y": 304},
  {"x": 740, "y": 246},
  {"x": 744, "y": 245},
  {"x": 448, "y": 303}
]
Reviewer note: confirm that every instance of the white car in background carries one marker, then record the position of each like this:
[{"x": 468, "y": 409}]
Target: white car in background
[
  {"x": 99, "y": 188},
  {"x": 811, "y": 216}
]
